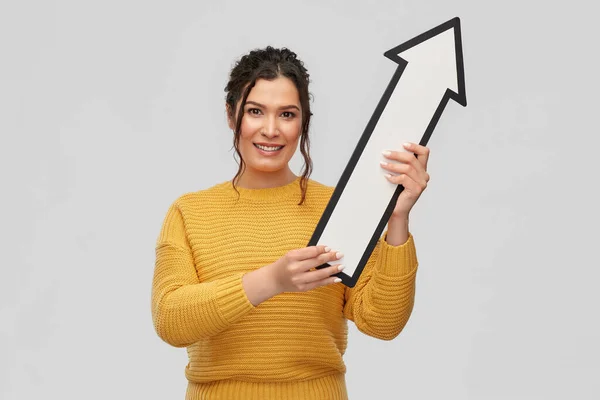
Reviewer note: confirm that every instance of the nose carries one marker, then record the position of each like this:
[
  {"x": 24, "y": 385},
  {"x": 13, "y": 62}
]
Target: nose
[{"x": 270, "y": 128}]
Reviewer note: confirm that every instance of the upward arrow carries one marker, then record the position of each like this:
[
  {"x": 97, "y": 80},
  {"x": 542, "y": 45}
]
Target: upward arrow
[
  {"x": 434, "y": 56},
  {"x": 430, "y": 72}
]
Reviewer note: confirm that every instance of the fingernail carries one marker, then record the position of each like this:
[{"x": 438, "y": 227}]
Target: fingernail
[
  {"x": 339, "y": 255},
  {"x": 341, "y": 267},
  {"x": 337, "y": 280},
  {"x": 386, "y": 153},
  {"x": 327, "y": 249}
]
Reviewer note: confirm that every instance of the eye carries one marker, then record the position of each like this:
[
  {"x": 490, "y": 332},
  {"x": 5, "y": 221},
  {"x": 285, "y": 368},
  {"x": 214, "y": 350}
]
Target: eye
[{"x": 253, "y": 111}]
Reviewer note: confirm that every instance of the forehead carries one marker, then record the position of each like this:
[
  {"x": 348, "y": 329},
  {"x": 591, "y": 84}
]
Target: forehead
[{"x": 280, "y": 91}]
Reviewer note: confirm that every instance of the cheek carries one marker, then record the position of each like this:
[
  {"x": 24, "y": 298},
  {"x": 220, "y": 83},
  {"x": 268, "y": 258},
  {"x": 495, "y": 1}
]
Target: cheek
[
  {"x": 245, "y": 138},
  {"x": 245, "y": 130},
  {"x": 292, "y": 131},
  {"x": 249, "y": 127}
]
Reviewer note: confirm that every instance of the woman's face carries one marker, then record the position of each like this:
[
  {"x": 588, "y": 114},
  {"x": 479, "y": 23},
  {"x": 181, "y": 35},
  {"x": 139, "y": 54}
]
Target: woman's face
[{"x": 270, "y": 126}]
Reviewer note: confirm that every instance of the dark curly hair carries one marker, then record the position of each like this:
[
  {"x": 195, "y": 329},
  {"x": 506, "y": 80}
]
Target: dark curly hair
[{"x": 269, "y": 63}]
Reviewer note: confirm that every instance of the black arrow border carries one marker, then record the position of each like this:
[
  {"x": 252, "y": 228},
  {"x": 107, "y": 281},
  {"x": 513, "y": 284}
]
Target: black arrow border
[{"x": 459, "y": 97}]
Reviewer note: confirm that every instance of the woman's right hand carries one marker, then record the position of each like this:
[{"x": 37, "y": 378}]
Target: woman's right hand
[{"x": 296, "y": 270}]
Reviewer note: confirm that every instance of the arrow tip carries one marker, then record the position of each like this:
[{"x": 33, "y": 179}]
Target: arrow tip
[{"x": 457, "y": 90}]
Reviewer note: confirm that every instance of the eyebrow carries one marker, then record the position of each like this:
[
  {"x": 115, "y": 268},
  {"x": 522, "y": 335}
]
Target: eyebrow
[{"x": 281, "y": 108}]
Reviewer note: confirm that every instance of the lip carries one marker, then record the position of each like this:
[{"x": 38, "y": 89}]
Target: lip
[
  {"x": 269, "y": 144},
  {"x": 268, "y": 153}
]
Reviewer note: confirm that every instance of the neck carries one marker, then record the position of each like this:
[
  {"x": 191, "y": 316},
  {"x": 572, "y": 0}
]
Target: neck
[{"x": 252, "y": 179}]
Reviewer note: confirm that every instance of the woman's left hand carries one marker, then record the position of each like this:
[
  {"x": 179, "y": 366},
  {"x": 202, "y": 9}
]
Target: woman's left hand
[{"x": 410, "y": 172}]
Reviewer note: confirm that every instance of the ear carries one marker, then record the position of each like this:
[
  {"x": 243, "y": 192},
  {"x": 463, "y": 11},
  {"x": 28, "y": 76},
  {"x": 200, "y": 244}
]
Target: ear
[{"x": 230, "y": 119}]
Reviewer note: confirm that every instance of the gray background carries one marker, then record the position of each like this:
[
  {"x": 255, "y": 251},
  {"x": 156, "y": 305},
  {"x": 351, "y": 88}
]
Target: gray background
[{"x": 110, "y": 110}]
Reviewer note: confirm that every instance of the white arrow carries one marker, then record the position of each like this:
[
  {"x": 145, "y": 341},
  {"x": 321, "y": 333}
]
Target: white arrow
[{"x": 430, "y": 72}]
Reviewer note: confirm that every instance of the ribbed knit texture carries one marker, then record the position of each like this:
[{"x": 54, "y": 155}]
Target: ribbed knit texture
[{"x": 290, "y": 346}]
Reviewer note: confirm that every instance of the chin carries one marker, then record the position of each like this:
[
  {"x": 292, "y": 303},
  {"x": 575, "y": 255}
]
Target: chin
[
  {"x": 267, "y": 167},
  {"x": 262, "y": 164}
]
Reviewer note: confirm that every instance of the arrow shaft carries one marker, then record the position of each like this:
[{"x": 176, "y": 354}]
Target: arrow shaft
[
  {"x": 430, "y": 73},
  {"x": 405, "y": 118},
  {"x": 408, "y": 111}
]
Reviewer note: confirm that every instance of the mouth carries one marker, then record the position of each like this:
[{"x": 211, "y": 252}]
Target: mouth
[{"x": 268, "y": 149}]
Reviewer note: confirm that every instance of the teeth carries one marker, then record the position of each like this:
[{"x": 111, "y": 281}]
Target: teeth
[{"x": 265, "y": 148}]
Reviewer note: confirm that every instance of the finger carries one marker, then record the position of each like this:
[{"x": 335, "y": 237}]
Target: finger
[
  {"x": 416, "y": 155},
  {"x": 321, "y": 274},
  {"x": 411, "y": 167},
  {"x": 322, "y": 282},
  {"x": 408, "y": 183},
  {"x": 422, "y": 152},
  {"x": 415, "y": 173},
  {"x": 404, "y": 157},
  {"x": 398, "y": 168},
  {"x": 309, "y": 252},
  {"x": 309, "y": 264}
]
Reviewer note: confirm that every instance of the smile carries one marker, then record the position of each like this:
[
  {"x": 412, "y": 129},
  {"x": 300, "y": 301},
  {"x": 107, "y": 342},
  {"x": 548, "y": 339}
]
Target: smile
[{"x": 268, "y": 148}]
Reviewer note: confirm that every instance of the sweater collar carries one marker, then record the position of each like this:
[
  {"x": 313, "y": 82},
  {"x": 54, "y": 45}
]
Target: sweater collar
[{"x": 273, "y": 194}]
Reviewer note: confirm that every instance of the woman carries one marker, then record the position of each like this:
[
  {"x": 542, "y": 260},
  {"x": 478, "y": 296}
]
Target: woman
[{"x": 234, "y": 282}]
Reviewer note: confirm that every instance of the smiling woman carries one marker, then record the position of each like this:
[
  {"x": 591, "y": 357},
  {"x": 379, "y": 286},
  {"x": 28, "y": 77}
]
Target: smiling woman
[
  {"x": 268, "y": 105},
  {"x": 234, "y": 281},
  {"x": 269, "y": 133}
]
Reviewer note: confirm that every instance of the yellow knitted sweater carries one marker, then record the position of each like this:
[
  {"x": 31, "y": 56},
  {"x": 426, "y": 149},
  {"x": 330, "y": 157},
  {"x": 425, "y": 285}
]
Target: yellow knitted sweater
[{"x": 290, "y": 346}]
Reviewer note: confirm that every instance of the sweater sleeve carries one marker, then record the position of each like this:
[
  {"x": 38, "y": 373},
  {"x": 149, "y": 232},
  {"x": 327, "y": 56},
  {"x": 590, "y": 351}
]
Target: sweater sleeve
[
  {"x": 381, "y": 302},
  {"x": 185, "y": 310}
]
